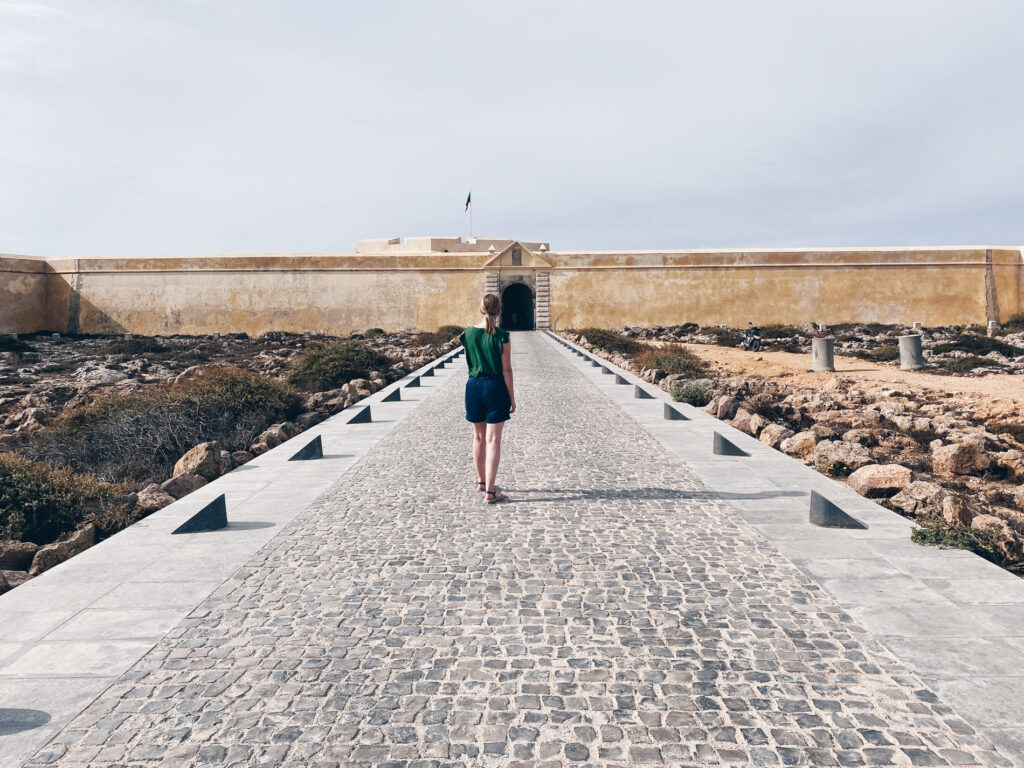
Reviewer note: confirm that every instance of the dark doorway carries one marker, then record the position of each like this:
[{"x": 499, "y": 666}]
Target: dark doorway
[{"x": 517, "y": 308}]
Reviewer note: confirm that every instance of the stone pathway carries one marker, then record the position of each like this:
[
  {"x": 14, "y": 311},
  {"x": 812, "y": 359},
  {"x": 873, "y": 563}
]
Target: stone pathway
[{"x": 614, "y": 613}]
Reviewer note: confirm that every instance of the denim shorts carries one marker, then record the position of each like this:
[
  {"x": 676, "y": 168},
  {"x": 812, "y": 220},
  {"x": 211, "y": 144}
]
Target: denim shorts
[{"x": 487, "y": 400}]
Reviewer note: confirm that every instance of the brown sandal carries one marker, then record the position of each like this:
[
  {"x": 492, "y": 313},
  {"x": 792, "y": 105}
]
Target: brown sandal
[
  {"x": 494, "y": 497},
  {"x": 483, "y": 483}
]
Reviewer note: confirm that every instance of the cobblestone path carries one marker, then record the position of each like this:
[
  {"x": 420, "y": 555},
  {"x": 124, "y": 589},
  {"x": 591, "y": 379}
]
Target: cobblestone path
[{"x": 614, "y": 613}]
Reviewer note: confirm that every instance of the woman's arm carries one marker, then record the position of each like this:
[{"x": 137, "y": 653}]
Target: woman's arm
[{"x": 506, "y": 369}]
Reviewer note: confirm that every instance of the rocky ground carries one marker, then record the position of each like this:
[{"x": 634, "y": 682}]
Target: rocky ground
[
  {"x": 45, "y": 375},
  {"x": 934, "y": 446}
]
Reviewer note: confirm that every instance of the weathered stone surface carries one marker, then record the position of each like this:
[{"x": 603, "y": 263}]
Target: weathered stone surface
[
  {"x": 852, "y": 455},
  {"x": 1013, "y": 462},
  {"x": 226, "y": 464},
  {"x": 308, "y": 419},
  {"x": 959, "y": 459},
  {"x": 56, "y": 553},
  {"x": 724, "y": 407},
  {"x": 151, "y": 498},
  {"x": 182, "y": 485},
  {"x": 920, "y": 497},
  {"x": 272, "y": 437},
  {"x": 773, "y": 435},
  {"x": 741, "y": 420},
  {"x": 100, "y": 376},
  {"x": 800, "y": 445},
  {"x": 876, "y": 480},
  {"x": 15, "y": 578},
  {"x": 203, "y": 460},
  {"x": 1018, "y": 497},
  {"x": 238, "y": 458},
  {"x": 16, "y": 555},
  {"x": 956, "y": 511},
  {"x": 757, "y": 423}
]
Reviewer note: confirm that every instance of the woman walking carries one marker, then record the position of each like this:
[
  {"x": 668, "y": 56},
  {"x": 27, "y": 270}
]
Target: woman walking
[{"x": 490, "y": 398}]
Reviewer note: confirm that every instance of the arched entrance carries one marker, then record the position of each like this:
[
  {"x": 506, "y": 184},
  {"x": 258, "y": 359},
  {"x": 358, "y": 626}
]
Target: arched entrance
[{"x": 517, "y": 308}]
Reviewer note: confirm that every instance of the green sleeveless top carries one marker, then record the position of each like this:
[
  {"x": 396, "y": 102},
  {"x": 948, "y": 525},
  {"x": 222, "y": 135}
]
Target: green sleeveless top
[{"x": 483, "y": 351}]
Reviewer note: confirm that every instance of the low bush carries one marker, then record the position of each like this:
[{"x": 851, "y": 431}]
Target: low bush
[
  {"x": 136, "y": 345},
  {"x": 977, "y": 345},
  {"x": 885, "y": 353},
  {"x": 726, "y": 337},
  {"x": 937, "y": 533},
  {"x": 610, "y": 341},
  {"x": 967, "y": 364},
  {"x": 690, "y": 392},
  {"x": 138, "y": 436},
  {"x": 40, "y": 504},
  {"x": 373, "y": 333},
  {"x": 8, "y": 344},
  {"x": 672, "y": 359},
  {"x": 322, "y": 367},
  {"x": 780, "y": 331},
  {"x": 838, "y": 469},
  {"x": 1014, "y": 325},
  {"x": 442, "y": 335}
]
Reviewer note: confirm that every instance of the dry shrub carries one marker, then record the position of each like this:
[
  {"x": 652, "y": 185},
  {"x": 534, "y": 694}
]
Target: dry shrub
[
  {"x": 610, "y": 341},
  {"x": 672, "y": 359},
  {"x": 322, "y": 367},
  {"x": 138, "y": 436},
  {"x": 40, "y": 504},
  {"x": 441, "y": 336}
]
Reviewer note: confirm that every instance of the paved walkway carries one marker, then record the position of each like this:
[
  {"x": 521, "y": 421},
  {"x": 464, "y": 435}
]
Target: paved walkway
[{"x": 616, "y": 612}]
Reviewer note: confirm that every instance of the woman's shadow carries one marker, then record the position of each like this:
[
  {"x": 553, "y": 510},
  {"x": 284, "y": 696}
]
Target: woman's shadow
[{"x": 641, "y": 494}]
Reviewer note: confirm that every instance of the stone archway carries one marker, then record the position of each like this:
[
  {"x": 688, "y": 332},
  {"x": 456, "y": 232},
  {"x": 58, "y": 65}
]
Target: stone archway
[{"x": 517, "y": 308}]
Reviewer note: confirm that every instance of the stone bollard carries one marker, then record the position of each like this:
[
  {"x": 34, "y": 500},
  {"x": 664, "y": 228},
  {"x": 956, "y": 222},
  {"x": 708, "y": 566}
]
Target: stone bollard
[
  {"x": 306, "y": 334},
  {"x": 822, "y": 327},
  {"x": 916, "y": 327},
  {"x": 55, "y": 337},
  {"x": 993, "y": 326},
  {"x": 822, "y": 354},
  {"x": 911, "y": 357},
  {"x": 216, "y": 334},
  {"x": 14, "y": 336}
]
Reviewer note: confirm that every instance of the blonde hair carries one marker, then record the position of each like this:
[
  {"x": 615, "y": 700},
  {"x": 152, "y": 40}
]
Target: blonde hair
[{"x": 490, "y": 308}]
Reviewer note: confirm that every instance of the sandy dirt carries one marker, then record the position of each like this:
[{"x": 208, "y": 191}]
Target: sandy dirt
[{"x": 1003, "y": 390}]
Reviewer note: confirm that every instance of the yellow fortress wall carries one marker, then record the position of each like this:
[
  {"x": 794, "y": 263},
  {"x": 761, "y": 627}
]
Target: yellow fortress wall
[{"x": 427, "y": 282}]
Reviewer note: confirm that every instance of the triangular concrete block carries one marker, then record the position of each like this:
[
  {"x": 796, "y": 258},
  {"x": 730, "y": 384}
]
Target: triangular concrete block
[
  {"x": 363, "y": 417},
  {"x": 674, "y": 415},
  {"x": 314, "y": 449},
  {"x": 827, "y": 515},
  {"x": 594, "y": 363},
  {"x": 212, "y": 517},
  {"x": 440, "y": 365},
  {"x": 722, "y": 447},
  {"x": 620, "y": 380},
  {"x": 642, "y": 394},
  {"x": 392, "y": 397},
  {"x": 428, "y": 372},
  {"x": 607, "y": 371},
  {"x": 413, "y": 382}
]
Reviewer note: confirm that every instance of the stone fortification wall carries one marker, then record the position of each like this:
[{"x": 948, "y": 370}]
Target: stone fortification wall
[
  {"x": 396, "y": 288},
  {"x": 23, "y": 282},
  {"x": 936, "y": 286}
]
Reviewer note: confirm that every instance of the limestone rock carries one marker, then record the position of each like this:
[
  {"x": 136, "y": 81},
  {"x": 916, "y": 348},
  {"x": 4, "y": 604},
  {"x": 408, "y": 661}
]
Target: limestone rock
[
  {"x": 271, "y": 438},
  {"x": 56, "y": 553},
  {"x": 875, "y": 480},
  {"x": 225, "y": 462},
  {"x": 723, "y": 407},
  {"x": 290, "y": 428},
  {"x": 918, "y": 498},
  {"x": 959, "y": 459},
  {"x": 203, "y": 460},
  {"x": 988, "y": 523},
  {"x": 308, "y": 419},
  {"x": 182, "y": 485},
  {"x": 16, "y": 555},
  {"x": 741, "y": 421},
  {"x": 773, "y": 435},
  {"x": 151, "y": 498},
  {"x": 14, "y": 578},
  {"x": 1018, "y": 497},
  {"x": 1013, "y": 462},
  {"x": 956, "y": 511},
  {"x": 861, "y": 435},
  {"x": 99, "y": 375},
  {"x": 800, "y": 445},
  {"x": 238, "y": 458},
  {"x": 852, "y": 455},
  {"x": 757, "y": 423}
]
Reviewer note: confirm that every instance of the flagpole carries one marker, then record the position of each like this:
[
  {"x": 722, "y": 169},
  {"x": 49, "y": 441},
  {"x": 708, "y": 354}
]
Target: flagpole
[{"x": 471, "y": 213}]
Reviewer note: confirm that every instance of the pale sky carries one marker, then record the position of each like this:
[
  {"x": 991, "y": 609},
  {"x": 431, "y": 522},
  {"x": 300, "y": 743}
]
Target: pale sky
[{"x": 221, "y": 126}]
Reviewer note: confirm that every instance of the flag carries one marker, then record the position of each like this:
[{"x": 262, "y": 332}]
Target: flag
[{"x": 468, "y": 200}]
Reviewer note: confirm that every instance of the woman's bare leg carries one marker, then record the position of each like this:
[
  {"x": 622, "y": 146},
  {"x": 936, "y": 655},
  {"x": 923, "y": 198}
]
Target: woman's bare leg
[
  {"x": 480, "y": 450},
  {"x": 493, "y": 452}
]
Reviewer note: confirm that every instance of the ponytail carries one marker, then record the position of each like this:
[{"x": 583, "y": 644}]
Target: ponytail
[{"x": 490, "y": 308}]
